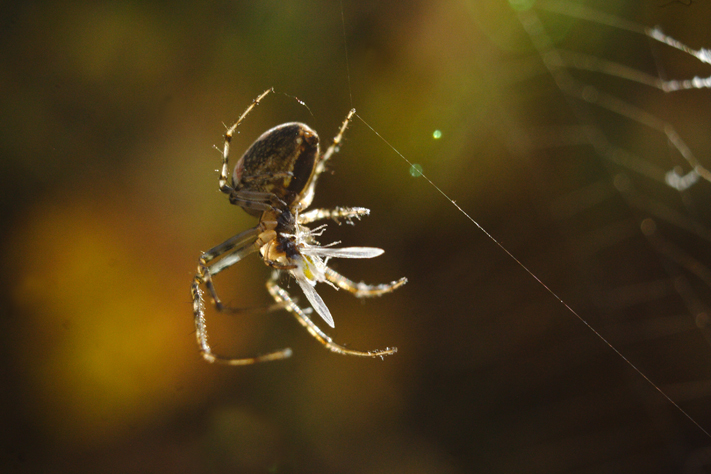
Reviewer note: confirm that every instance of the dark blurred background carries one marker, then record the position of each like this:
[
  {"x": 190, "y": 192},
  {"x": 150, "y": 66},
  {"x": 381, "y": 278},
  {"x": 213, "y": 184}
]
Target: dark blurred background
[{"x": 109, "y": 190}]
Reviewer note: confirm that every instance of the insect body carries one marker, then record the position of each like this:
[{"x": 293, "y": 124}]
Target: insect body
[{"x": 275, "y": 180}]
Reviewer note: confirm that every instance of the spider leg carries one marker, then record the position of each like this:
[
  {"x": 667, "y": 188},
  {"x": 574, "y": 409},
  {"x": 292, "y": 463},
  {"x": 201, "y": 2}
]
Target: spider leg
[
  {"x": 336, "y": 214},
  {"x": 334, "y": 146},
  {"x": 308, "y": 193},
  {"x": 238, "y": 241},
  {"x": 257, "y": 201},
  {"x": 205, "y": 272},
  {"x": 361, "y": 290},
  {"x": 232, "y": 251},
  {"x": 206, "y": 351},
  {"x": 278, "y": 265},
  {"x": 282, "y": 297},
  {"x": 224, "y": 173}
]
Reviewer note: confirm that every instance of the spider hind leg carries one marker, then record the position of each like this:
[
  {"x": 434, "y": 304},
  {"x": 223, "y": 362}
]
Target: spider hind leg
[
  {"x": 229, "y": 252},
  {"x": 281, "y": 296}
]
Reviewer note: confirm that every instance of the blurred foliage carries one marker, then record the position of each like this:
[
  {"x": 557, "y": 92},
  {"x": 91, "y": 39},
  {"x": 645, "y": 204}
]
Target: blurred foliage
[{"x": 107, "y": 175}]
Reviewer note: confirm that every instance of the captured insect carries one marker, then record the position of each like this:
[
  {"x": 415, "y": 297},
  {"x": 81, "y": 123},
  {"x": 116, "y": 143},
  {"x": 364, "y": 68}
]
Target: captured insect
[{"x": 275, "y": 180}]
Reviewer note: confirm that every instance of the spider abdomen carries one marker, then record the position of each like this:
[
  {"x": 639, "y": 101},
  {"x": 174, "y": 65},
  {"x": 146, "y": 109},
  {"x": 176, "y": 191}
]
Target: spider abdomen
[{"x": 281, "y": 162}]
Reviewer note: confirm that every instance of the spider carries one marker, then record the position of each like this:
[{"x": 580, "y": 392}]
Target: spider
[{"x": 275, "y": 180}]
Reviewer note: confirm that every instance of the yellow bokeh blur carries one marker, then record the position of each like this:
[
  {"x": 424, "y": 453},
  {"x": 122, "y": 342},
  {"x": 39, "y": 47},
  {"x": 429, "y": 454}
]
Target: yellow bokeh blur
[{"x": 104, "y": 343}]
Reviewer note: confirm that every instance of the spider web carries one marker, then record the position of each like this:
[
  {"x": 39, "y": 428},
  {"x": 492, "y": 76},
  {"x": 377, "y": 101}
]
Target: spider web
[
  {"x": 607, "y": 139},
  {"x": 660, "y": 185}
]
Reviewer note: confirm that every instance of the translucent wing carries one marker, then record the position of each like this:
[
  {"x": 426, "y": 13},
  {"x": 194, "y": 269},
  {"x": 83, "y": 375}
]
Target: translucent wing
[
  {"x": 347, "y": 252},
  {"x": 313, "y": 297}
]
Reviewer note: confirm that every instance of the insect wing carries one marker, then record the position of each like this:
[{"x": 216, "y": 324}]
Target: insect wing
[
  {"x": 347, "y": 252},
  {"x": 313, "y": 297}
]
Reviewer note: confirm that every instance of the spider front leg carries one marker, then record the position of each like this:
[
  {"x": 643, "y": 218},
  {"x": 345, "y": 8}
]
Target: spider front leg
[
  {"x": 308, "y": 194},
  {"x": 224, "y": 173},
  {"x": 336, "y": 142},
  {"x": 257, "y": 201},
  {"x": 282, "y": 297},
  {"x": 249, "y": 200},
  {"x": 362, "y": 290},
  {"x": 231, "y": 251}
]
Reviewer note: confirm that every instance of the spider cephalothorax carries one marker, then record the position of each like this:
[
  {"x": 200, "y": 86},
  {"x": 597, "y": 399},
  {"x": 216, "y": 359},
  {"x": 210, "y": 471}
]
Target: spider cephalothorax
[{"x": 275, "y": 180}]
